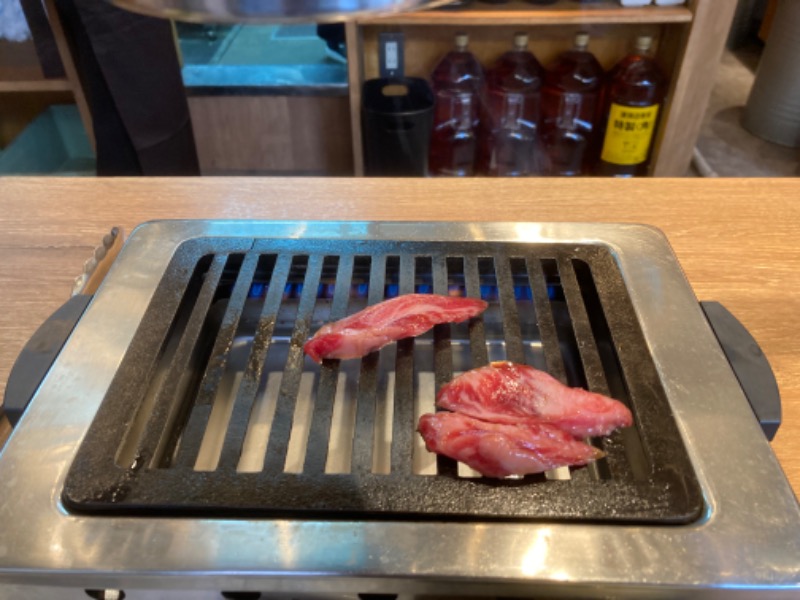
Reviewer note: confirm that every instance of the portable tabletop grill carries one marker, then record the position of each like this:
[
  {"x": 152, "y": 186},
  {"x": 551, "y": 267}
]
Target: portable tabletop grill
[{"x": 182, "y": 440}]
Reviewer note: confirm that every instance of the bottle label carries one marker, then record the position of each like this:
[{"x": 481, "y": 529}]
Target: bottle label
[{"x": 628, "y": 134}]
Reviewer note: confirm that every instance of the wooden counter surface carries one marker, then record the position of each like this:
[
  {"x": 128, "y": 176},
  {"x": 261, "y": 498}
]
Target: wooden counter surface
[{"x": 738, "y": 240}]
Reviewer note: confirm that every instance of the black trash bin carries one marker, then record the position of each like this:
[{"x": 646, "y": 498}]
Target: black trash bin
[{"x": 396, "y": 118}]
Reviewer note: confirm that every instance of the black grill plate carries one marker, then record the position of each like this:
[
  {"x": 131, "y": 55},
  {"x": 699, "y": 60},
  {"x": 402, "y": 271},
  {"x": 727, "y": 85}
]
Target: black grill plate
[{"x": 222, "y": 340}]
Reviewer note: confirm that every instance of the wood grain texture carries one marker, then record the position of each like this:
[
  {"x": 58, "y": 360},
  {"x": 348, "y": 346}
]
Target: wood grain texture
[
  {"x": 355, "y": 79},
  {"x": 692, "y": 81},
  {"x": 18, "y": 62},
  {"x": 272, "y": 134},
  {"x": 24, "y": 92},
  {"x": 36, "y": 85},
  {"x": 736, "y": 239}
]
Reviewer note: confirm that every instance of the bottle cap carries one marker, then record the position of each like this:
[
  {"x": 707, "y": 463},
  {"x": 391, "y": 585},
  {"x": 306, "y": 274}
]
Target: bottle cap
[
  {"x": 462, "y": 41},
  {"x": 643, "y": 42},
  {"x": 581, "y": 40},
  {"x": 520, "y": 40}
]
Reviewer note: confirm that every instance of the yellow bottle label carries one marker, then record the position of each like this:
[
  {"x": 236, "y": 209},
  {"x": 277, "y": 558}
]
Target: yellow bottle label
[{"x": 628, "y": 134}]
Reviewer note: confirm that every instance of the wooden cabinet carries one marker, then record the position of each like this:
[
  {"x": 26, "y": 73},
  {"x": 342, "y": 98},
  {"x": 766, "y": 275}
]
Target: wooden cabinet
[
  {"x": 689, "y": 42},
  {"x": 25, "y": 91},
  {"x": 279, "y": 135},
  {"x": 20, "y": 70}
]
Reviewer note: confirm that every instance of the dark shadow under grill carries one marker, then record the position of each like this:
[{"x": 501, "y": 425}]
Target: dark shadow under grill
[{"x": 215, "y": 410}]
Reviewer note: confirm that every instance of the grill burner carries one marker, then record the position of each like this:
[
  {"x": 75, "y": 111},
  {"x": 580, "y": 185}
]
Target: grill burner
[{"x": 215, "y": 410}]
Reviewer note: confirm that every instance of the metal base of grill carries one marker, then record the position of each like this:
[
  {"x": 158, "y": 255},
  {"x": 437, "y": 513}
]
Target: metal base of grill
[
  {"x": 219, "y": 413},
  {"x": 81, "y": 518}
]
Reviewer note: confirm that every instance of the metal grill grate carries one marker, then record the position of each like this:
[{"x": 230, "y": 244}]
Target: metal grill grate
[{"x": 216, "y": 411}]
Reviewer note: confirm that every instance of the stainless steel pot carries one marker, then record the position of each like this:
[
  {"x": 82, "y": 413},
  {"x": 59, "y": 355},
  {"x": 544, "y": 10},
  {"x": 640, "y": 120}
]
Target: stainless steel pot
[{"x": 215, "y": 11}]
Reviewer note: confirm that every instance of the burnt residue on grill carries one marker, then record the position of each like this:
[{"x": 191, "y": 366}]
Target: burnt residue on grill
[{"x": 216, "y": 411}]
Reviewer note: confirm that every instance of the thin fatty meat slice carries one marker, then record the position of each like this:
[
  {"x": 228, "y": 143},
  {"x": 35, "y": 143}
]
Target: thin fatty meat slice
[
  {"x": 505, "y": 392},
  {"x": 499, "y": 450},
  {"x": 381, "y": 324}
]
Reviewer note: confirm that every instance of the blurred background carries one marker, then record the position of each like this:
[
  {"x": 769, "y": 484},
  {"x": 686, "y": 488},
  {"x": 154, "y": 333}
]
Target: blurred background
[{"x": 83, "y": 92}]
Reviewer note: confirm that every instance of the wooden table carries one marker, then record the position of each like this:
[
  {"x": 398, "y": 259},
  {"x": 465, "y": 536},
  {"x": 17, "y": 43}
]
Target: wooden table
[{"x": 737, "y": 239}]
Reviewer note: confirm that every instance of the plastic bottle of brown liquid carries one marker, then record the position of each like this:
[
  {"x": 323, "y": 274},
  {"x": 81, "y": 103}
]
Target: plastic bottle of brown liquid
[
  {"x": 570, "y": 99},
  {"x": 457, "y": 83},
  {"x": 509, "y": 131},
  {"x": 633, "y": 96}
]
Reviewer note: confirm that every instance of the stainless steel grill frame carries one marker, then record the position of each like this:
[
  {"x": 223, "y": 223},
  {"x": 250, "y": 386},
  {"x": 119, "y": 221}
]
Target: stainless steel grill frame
[
  {"x": 180, "y": 386},
  {"x": 746, "y": 542}
]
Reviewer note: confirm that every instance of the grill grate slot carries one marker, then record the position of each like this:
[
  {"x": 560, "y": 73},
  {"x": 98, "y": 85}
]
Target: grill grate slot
[
  {"x": 532, "y": 344},
  {"x": 443, "y": 361},
  {"x": 367, "y": 395},
  {"x": 477, "y": 330},
  {"x": 251, "y": 379},
  {"x": 237, "y": 421},
  {"x": 593, "y": 371},
  {"x": 626, "y": 453},
  {"x": 194, "y": 432},
  {"x": 403, "y": 424},
  {"x": 587, "y": 348},
  {"x": 287, "y": 397},
  {"x": 322, "y": 419},
  {"x": 254, "y": 447},
  {"x": 147, "y": 438},
  {"x": 554, "y": 360},
  {"x": 508, "y": 304}
]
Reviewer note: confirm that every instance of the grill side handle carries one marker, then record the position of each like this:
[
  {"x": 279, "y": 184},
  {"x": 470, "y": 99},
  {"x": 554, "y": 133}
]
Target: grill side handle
[
  {"x": 749, "y": 364},
  {"x": 38, "y": 355},
  {"x": 41, "y": 350}
]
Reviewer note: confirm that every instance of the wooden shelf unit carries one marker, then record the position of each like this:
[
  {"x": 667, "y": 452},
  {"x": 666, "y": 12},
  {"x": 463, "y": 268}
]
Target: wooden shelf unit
[
  {"x": 35, "y": 85},
  {"x": 519, "y": 13},
  {"x": 689, "y": 42},
  {"x": 20, "y": 70},
  {"x": 21, "y": 73}
]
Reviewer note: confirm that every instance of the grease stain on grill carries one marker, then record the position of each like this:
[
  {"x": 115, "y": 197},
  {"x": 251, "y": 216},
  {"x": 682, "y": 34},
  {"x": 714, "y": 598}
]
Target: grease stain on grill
[
  {"x": 138, "y": 462},
  {"x": 118, "y": 493},
  {"x": 216, "y": 411}
]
